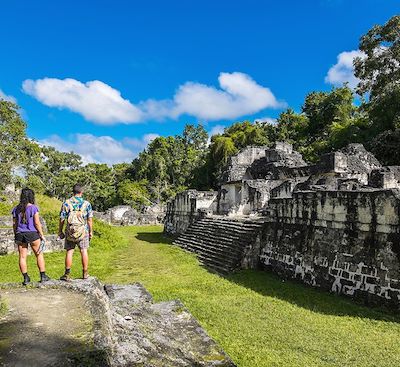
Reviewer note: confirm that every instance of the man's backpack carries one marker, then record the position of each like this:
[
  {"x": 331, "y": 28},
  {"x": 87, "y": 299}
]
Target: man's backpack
[{"x": 76, "y": 223}]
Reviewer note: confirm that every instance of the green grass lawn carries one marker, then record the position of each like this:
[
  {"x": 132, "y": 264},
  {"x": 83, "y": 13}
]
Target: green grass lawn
[{"x": 258, "y": 319}]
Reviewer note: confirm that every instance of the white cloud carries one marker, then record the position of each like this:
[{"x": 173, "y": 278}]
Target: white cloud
[
  {"x": 343, "y": 70},
  {"x": 93, "y": 149},
  {"x": 268, "y": 120},
  {"x": 140, "y": 144},
  {"x": 7, "y": 97},
  {"x": 237, "y": 96},
  {"x": 95, "y": 100},
  {"x": 217, "y": 129}
]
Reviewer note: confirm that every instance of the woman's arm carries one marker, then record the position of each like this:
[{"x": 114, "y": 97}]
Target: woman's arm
[
  {"x": 15, "y": 225},
  {"x": 38, "y": 225}
]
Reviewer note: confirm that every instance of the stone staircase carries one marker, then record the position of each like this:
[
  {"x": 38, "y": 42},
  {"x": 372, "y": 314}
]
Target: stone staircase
[{"x": 220, "y": 242}]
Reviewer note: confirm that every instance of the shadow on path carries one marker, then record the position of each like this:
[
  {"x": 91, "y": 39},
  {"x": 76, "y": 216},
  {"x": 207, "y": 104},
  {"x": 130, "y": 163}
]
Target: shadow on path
[
  {"x": 43, "y": 349},
  {"x": 154, "y": 237}
]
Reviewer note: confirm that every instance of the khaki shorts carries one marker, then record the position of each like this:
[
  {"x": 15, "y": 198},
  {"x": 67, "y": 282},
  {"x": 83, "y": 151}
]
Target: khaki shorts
[{"x": 83, "y": 244}]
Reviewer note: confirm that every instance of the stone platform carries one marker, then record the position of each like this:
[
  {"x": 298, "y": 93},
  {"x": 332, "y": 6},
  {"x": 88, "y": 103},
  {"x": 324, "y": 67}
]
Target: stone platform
[{"x": 128, "y": 329}]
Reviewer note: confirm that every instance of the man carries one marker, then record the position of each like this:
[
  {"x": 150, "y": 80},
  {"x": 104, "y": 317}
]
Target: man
[{"x": 78, "y": 214}]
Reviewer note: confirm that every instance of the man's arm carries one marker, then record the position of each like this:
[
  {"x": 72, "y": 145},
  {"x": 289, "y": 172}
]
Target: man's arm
[
  {"x": 90, "y": 225},
  {"x": 63, "y": 216},
  {"x": 61, "y": 228}
]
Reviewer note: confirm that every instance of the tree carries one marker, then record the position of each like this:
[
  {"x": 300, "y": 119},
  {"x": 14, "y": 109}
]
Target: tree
[
  {"x": 380, "y": 68},
  {"x": 133, "y": 193},
  {"x": 379, "y": 74},
  {"x": 386, "y": 147},
  {"x": 328, "y": 120},
  {"x": 16, "y": 150}
]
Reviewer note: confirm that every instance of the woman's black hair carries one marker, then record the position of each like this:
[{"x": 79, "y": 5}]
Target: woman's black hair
[{"x": 27, "y": 197}]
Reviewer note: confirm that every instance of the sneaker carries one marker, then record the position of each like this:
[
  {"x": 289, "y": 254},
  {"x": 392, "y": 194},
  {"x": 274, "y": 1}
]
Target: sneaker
[
  {"x": 27, "y": 280},
  {"x": 66, "y": 277},
  {"x": 85, "y": 274},
  {"x": 44, "y": 278}
]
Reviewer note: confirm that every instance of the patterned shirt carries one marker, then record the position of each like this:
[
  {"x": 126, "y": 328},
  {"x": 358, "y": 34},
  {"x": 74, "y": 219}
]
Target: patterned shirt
[{"x": 77, "y": 202}]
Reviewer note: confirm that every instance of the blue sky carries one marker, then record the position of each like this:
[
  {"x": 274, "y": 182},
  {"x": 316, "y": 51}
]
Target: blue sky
[{"x": 103, "y": 78}]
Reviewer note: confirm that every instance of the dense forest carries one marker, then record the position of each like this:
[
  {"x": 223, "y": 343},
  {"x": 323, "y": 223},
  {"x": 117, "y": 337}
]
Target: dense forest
[{"x": 370, "y": 114}]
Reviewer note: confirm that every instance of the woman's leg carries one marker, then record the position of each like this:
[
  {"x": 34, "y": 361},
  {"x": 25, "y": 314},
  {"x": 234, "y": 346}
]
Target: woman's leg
[
  {"x": 39, "y": 256},
  {"x": 23, "y": 253}
]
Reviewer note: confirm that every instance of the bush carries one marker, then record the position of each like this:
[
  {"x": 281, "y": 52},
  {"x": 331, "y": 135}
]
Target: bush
[{"x": 105, "y": 235}]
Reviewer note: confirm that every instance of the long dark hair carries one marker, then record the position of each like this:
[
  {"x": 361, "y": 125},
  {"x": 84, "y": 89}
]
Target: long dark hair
[{"x": 27, "y": 197}]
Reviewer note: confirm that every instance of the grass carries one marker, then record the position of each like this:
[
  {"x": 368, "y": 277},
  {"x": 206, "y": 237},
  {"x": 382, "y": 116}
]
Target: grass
[{"x": 259, "y": 320}]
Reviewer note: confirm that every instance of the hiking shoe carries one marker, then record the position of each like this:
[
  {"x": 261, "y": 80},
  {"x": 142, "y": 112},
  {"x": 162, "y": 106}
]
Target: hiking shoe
[
  {"x": 27, "y": 280},
  {"x": 66, "y": 277},
  {"x": 44, "y": 278},
  {"x": 85, "y": 274}
]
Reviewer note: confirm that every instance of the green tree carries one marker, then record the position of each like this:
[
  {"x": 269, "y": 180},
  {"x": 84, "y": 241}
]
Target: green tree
[
  {"x": 133, "y": 193},
  {"x": 16, "y": 150},
  {"x": 379, "y": 74}
]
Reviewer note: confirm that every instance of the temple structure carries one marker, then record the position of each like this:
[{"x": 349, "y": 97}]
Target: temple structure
[{"x": 334, "y": 224}]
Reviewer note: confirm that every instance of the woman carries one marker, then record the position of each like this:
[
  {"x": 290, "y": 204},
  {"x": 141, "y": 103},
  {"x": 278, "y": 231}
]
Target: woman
[{"x": 28, "y": 230}]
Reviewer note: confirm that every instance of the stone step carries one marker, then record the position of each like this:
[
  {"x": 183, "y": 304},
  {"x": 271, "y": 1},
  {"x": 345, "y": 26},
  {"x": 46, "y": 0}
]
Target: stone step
[
  {"x": 228, "y": 225},
  {"x": 251, "y": 223},
  {"x": 233, "y": 233},
  {"x": 233, "y": 247},
  {"x": 221, "y": 261},
  {"x": 220, "y": 239},
  {"x": 218, "y": 266},
  {"x": 212, "y": 232},
  {"x": 206, "y": 248},
  {"x": 218, "y": 242},
  {"x": 223, "y": 240}
]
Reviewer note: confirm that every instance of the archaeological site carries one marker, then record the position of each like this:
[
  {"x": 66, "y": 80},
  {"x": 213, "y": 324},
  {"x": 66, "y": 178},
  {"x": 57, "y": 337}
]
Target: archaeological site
[{"x": 334, "y": 225}]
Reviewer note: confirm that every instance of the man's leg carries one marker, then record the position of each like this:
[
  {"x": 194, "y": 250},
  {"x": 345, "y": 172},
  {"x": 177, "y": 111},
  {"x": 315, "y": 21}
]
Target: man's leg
[
  {"x": 68, "y": 258},
  {"x": 85, "y": 262},
  {"x": 68, "y": 264}
]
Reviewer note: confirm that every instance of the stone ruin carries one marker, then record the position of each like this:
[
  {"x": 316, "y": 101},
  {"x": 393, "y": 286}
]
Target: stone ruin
[
  {"x": 126, "y": 329},
  {"x": 7, "y": 243},
  {"x": 125, "y": 215},
  {"x": 334, "y": 224}
]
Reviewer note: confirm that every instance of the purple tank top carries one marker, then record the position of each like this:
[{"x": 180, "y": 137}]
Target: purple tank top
[{"x": 26, "y": 225}]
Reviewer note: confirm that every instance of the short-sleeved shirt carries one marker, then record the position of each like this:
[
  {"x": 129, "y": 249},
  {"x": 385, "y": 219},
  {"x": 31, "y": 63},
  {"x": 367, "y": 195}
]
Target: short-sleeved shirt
[
  {"x": 26, "y": 224},
  {"x": 77, "y": 202}
]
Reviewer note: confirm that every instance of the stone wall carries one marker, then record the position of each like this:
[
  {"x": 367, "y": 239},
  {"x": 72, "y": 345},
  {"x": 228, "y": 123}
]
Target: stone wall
[
  {"x": 125, "y": 215},
  {"x": 186, "y": 208},
  {"x": 7, "y": 243},
  {"x": 346, "y": 242}
]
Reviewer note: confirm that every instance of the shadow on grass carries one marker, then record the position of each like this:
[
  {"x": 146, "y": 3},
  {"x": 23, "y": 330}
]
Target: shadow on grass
[
  {"x": 154, "y": 237},
  {"x": 320, "y": 301},
  {"x": 270, "y": 285}
]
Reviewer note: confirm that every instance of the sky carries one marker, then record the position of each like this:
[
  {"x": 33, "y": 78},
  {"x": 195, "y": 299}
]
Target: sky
[{"x": 104, "y": 78}]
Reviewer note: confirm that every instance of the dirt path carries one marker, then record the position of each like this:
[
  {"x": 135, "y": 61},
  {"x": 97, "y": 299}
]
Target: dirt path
[{"x": 45, "y": 327}]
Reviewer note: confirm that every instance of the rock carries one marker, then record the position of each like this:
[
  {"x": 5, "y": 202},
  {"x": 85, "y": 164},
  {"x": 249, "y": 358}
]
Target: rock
[{"x": 134, "y": 331}]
